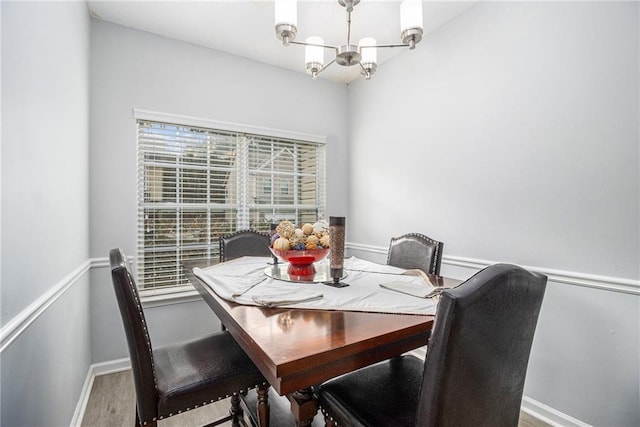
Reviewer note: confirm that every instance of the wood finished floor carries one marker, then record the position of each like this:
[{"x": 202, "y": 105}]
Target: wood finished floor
[{"x": 112, "y": 403}]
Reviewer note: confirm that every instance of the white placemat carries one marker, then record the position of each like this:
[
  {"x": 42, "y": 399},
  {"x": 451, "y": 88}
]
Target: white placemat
[{"x": 243, "y": 281}]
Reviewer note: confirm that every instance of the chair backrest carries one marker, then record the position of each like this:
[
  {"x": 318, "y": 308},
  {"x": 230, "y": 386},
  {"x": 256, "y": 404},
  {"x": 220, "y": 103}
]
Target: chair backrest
[
  {"x": 415, "y": 250},
  {"x": 479, "y": 349},
  {"x": 135, "y": 328},
  {"x": 244, "y": 243}
]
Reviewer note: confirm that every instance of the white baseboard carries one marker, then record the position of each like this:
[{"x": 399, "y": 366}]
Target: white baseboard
[
  {"x": 532, "y": 407},
  {"x": 95, "y": 370},
  {"x": 81, "y": 406},
  {"x": 111, "y": 366},
  {"x": 549, "y": 415}
]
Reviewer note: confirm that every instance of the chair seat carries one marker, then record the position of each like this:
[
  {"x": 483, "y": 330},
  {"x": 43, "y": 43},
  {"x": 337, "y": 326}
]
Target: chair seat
[
  {"x": 384, "y": 394},
  {"x": 203, "y": 370}
]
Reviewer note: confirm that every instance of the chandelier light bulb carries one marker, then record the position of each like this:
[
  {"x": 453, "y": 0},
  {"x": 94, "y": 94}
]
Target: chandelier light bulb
[
  {"x": 410, "y": 14},
  {"x": 314, "y": 55},
  {"x": 369, "y": 54},
  {"x": 369, "y": 61},
  {"x": 411, "y": 22},
  {"x": 286, "y": 12},
  {"x": 286, "y": 20}
]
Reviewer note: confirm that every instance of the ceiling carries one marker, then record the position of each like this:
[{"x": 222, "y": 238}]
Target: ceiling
[{"x": 246, "y": 27}]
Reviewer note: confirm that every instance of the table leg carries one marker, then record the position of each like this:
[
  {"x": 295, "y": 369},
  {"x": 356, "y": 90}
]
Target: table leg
[
  {"x": 263, "y": 405},
  {"x": 236, "y": 410},
  {"x": 304, "y": 406}
]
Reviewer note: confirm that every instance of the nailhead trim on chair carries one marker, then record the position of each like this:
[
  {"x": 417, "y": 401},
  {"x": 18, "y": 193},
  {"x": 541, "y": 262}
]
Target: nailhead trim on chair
[
  {"x": 326, "y": 414},
  {"x": 153, "y": 368},
  {"x": 144, "y": 328},
  {"x": 147, "y": 341},
  {"x": 434, "y": 263},
  {"x": 435, "y": 258},
  {"x": 222, "y": 255},
  {"x": 171, "y": 414}
]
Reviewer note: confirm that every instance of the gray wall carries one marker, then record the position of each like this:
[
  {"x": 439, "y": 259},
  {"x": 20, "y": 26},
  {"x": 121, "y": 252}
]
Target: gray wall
[
  {"x": 133, "y": 69},
  {"x": 511, "y": 134},
  {"x": 45, "y": 206}
]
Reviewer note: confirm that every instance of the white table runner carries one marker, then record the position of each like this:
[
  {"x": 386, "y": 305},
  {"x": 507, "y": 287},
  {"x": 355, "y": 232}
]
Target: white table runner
[{"x": 243, "y": 281}]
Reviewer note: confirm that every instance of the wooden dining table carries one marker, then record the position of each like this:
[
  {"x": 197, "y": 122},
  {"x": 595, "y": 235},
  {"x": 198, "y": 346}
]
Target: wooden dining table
[{"x": 296, "y": 349}]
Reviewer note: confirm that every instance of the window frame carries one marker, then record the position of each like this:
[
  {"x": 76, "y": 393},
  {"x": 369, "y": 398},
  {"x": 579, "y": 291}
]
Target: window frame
[{"x": 170, "y": 294}]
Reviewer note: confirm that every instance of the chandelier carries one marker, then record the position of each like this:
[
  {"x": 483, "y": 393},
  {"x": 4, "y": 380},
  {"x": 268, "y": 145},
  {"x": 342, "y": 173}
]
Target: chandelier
[{"x": 364, "y": 54}]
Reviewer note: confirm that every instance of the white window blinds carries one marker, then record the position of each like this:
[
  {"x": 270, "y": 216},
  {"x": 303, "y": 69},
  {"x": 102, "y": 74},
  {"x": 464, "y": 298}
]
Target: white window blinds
[{"x": 195, "y": 184}]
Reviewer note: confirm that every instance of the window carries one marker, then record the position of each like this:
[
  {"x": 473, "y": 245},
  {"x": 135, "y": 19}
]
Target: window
[{"x": 197, "y": 183}]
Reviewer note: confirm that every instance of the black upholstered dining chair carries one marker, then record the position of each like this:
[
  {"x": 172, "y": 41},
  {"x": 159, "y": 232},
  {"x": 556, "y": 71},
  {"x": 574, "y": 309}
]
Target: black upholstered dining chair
[
  {"x": 475, "y": 367},
  {"x": 415, "y": 250},
  {"x": 244, "y": 243},
  {"x": 176, "y": 378}
]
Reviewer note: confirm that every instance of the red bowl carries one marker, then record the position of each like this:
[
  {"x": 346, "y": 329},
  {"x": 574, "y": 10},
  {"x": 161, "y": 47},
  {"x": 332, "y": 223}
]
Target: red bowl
[{"x": 301, "y": 257}]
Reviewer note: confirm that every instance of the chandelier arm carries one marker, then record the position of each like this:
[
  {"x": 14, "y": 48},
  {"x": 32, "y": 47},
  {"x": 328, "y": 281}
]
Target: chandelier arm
[
  {"x": 387, "y": 45},
  {"x": 364, "y": 70},
  {"x": 324, "y": 67},
  {"x": 326, "y": 46}
]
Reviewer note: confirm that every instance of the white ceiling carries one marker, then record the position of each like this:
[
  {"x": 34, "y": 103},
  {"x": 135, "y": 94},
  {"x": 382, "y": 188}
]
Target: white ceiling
[{"x": 246, "y": 27}]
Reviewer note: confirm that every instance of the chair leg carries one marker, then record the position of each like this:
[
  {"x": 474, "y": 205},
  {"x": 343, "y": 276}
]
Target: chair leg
[
  {"x": 263, "y": 405},
  {"x": 236, "y": 411}
]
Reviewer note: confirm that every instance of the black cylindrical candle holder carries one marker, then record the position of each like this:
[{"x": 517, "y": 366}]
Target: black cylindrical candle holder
[{"x": 336, "y": 257}]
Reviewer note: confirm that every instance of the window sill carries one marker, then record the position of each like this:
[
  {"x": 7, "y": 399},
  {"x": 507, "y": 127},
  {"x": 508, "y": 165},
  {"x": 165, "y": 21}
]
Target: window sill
[{"x": 173, "y": 295}]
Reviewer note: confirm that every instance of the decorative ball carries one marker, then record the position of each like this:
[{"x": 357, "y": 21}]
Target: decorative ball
[
  {"x": 324, "y": 241},
  {"x": 311, "y": 246},
  {"x": 299, "y": 233},
  {"x": 286, "y": 229},
  {"x": 313, "y": 240},
  {"x": 274, "y": 238},
  {"x": 295, "y": 240},
  {"x": 282, "y": 244},
  {"x": 320, "y": 226},
  {"x": 307, "y": 229}
]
